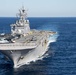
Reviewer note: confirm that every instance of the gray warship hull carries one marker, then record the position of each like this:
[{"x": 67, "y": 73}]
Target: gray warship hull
[{"x": 25, "y": 56}]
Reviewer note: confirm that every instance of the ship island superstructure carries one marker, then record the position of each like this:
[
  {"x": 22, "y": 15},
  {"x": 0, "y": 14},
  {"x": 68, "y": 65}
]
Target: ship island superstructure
[{"x": 24, "y": 43}]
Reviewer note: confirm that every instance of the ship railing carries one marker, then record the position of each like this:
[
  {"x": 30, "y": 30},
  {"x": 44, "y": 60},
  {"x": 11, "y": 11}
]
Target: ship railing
[{"x": 18, "y": 44}]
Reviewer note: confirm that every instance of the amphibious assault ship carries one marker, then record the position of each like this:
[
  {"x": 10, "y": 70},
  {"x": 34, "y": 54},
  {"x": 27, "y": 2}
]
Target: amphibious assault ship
[{"x": 23, "y": 43}]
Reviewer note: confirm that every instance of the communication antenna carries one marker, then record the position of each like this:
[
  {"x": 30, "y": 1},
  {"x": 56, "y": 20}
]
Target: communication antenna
[{"x": 22, "y": 13}]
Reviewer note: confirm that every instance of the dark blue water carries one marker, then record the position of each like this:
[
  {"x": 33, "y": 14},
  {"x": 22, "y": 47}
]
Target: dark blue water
[{"x": 62, "y": 53}]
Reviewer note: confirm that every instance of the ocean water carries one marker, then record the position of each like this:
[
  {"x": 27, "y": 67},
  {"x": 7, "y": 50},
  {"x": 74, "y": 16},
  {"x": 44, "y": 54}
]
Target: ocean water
[{"x": 60, "y": 58}]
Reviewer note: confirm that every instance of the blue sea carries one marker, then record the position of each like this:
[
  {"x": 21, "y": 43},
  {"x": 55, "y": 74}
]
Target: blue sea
[{"x": 61, "y": 54}]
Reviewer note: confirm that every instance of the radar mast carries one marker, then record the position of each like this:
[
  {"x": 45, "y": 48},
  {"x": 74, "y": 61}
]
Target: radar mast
[{"x": 22, "y": 13}]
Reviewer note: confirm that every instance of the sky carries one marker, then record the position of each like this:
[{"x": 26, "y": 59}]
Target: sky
[{"x": 39, "y": 8}]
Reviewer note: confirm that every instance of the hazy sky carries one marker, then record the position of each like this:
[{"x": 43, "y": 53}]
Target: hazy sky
[{"x": 39, "y": 8}]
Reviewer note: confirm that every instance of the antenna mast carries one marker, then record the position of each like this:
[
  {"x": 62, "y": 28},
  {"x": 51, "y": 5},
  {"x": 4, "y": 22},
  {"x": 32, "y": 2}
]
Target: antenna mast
[{"x": 22, "y": 13}]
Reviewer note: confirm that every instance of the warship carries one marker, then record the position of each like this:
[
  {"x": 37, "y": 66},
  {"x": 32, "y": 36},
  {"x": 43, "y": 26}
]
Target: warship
[{"x": 23, "y": 43}]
